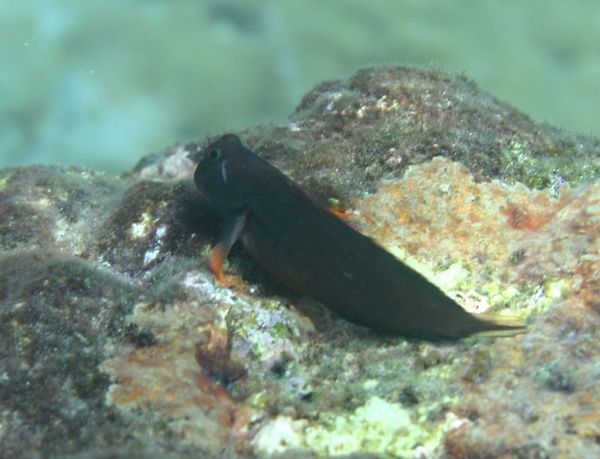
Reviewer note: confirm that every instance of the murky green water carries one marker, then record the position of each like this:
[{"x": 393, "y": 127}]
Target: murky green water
[{"x": 105, "y": 82}]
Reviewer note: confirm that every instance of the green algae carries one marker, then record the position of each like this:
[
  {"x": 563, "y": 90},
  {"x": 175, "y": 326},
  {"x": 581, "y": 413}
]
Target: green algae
[
  {"x": 455, "y": 277},
  {"x": 539, "y": 172}
]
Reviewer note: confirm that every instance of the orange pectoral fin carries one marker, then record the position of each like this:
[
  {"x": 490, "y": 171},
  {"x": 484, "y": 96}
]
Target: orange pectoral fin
[
  {"x": 338, "y": 209},
  {"x": 217, "y": 258},
  {"x": 340, "y": 213},
  {"x": 231, "y": 232}
]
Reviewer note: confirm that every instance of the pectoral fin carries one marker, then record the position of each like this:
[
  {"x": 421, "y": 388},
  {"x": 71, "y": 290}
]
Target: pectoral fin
[{"x": 231, "y": 232}]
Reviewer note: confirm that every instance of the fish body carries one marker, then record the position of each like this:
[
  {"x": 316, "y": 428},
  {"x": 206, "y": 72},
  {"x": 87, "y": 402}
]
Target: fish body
[{"x": 314, "y": 252}]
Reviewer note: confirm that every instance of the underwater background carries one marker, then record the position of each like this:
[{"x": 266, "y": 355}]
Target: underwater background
[
  {"x": 116, "y": 338},
  {"x": 103, "y": 83}
]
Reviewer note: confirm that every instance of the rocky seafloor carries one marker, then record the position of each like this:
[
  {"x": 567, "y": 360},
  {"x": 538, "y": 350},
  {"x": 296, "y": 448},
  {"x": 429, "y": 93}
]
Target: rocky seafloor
[{"x": 117, "y": 341}]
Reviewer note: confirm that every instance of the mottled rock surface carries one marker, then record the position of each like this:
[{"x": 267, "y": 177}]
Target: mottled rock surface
[
  {"x": 116, "y": 341},
  {"x": 346, "y": 135}
]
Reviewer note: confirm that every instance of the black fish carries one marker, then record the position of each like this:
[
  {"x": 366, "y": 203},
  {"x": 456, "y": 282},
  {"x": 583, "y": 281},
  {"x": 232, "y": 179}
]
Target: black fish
[{"x": 313, "y": 251}]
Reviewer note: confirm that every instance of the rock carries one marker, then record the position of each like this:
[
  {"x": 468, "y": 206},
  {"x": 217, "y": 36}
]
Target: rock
[
  {"x": 347, "y": 135},
  {"x": 116, "y": 341}
]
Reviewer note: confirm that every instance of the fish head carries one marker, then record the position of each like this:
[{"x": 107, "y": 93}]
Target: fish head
[{"x": 221, "y": 174}]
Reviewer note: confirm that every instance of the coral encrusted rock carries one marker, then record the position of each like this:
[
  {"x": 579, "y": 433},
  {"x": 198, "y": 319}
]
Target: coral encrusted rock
[{"x": 116, "y": 340}]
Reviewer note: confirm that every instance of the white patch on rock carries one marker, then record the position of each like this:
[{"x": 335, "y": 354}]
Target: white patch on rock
[
  {"x": 140, "y": 229},
  {"x": 151, "y": 255},
  {"x": 378, "y": 427},
  {"x": 279, "y": 435}
]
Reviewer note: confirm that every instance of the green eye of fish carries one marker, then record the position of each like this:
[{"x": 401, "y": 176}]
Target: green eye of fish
[{"x": 213, "y": 154}]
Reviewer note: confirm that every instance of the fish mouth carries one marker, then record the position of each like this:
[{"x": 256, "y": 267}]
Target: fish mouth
[{"x": 199, "y": 180}]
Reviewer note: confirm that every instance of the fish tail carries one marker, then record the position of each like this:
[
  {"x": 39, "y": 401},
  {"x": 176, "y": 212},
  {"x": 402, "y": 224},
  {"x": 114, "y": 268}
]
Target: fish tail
[{"x": 500, "y": 326}]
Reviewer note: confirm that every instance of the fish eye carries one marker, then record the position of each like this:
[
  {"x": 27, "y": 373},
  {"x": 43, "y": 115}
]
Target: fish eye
[{"x": 213, "y": 154}]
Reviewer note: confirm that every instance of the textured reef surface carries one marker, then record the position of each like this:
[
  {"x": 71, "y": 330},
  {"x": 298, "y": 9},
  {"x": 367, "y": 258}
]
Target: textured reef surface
[{"x": 117, "y": 341}]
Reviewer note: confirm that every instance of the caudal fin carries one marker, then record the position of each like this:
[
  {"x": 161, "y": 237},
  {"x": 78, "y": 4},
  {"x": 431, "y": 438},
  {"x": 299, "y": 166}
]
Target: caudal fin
[{"x": 501, "y": 326}]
